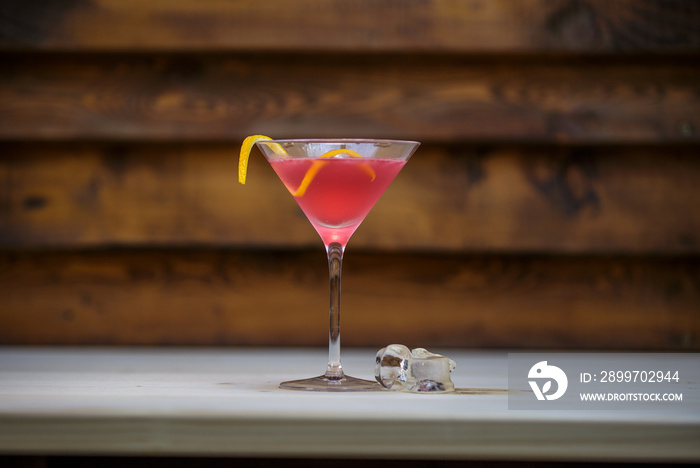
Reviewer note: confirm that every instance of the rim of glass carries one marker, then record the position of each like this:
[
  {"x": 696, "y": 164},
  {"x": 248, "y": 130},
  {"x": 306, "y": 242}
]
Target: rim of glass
[{"x": 339, "y": 140}]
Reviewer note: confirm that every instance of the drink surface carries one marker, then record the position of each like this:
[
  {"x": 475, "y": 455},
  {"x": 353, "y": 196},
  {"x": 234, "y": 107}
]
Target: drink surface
[{"x": 341, "y": 192}]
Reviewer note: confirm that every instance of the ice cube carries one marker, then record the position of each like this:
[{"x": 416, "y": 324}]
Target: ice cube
[
  {"x": 417, "y": 371},
  {"x": 391, "y": 366}
]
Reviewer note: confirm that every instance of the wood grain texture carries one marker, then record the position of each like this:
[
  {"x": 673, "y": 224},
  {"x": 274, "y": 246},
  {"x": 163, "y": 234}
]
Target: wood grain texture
[
  {"x": 429, "y": 98},
  {"x": 639, "y": 200},
  {"x": 474, "y": 26},
  {"x": 105, "y": 461},
  {"x": 281, "y": 298},
  {"x": 554, "y": 202}
]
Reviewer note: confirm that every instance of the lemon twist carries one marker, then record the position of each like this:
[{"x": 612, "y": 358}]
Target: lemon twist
[
  {"x": 247, "y": 147},
  {"x": 317, "y": 165}
]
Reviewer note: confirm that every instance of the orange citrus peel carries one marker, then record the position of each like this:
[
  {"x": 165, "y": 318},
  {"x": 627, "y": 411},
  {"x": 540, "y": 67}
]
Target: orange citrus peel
[
  {"x": 317, "y": 165},
  {"x": 247, "y": 147}
]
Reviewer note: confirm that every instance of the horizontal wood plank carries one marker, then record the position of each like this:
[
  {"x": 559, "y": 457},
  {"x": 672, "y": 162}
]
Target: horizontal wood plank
[
  {"x": 448, "y": 198},
  {"x": 281, "y": 298},
  {"x": 475, "y": 26},
  {"x": 227, "y": 403},
  {"x": 190, "y": 98}
]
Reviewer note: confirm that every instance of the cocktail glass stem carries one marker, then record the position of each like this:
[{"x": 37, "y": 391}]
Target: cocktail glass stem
[
  {"x": 335, "y": 264},
  {"x": 334, "y": 379}
]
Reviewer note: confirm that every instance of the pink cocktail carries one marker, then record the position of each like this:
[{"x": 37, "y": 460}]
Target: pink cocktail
[
  {"x": 341, "y": 193},
  {"x": 336, "y": 183}
]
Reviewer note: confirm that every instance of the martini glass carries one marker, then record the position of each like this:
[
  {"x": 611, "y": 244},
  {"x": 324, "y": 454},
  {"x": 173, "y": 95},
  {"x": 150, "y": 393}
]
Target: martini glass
[{"x": 336, "y": 183}]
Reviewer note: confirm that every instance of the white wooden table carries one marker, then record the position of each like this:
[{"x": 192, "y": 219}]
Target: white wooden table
[{"x": 225, "y": 402}]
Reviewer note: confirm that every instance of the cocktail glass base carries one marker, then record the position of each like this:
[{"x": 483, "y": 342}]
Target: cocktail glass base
[{"x": 323, "y": 383}]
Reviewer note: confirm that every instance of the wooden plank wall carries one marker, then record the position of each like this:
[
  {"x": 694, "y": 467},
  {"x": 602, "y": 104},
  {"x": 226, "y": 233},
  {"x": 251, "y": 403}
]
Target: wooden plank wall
[{"x": 554, "y": 203}]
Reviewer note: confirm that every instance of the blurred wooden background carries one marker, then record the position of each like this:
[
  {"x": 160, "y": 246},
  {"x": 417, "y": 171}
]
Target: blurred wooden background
[{"x": 554, "y": 203}]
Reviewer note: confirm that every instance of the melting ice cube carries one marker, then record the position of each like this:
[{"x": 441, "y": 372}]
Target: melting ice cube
[{"x": 400, "y": 369}]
